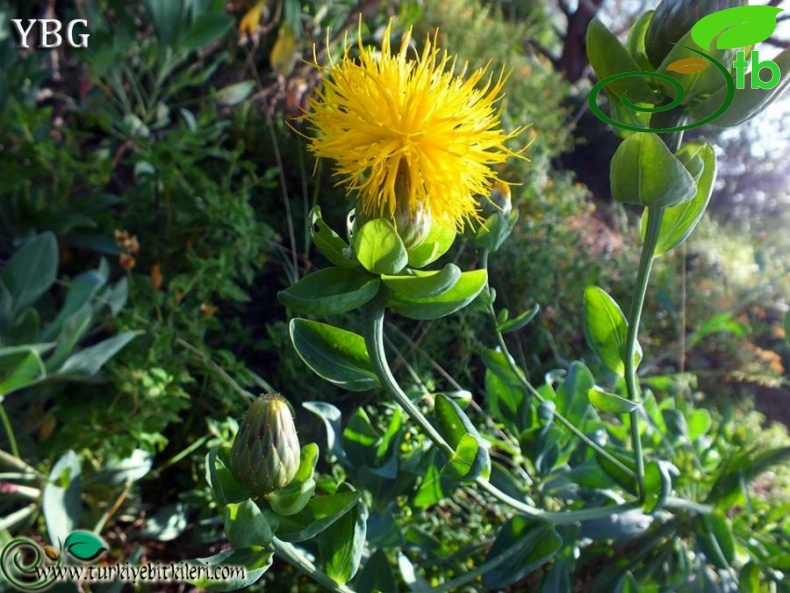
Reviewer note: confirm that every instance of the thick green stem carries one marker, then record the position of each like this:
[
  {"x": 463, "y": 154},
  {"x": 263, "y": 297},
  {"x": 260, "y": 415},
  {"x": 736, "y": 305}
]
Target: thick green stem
[
  {"x": 374, "y": 340},
  {"x": 654, "y": 217}
]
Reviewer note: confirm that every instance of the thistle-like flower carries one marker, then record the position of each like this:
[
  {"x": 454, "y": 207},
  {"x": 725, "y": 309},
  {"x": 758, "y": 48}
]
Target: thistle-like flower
[
  {"x": 409, "y": 135},
  {"x": 265, "y": 454}
]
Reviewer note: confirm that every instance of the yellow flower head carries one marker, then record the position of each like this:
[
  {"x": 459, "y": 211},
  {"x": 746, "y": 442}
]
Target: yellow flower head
[{"x": 410, "y": 134}]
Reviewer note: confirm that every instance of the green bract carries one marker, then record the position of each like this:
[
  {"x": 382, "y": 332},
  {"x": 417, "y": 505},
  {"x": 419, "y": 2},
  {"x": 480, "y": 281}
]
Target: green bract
[
  {"x": 645, "y": 172},
  {"x": 673, "y": 19},
  {"x": 266, "y": 455}
]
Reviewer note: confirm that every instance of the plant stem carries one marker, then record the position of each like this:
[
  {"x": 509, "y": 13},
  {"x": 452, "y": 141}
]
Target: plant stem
[
  {"x": 374, "y": 340},
  {"x": 536, "y": 394},
  {"x": 654, "y": 217},
  {"x": 9, "y": 431}
]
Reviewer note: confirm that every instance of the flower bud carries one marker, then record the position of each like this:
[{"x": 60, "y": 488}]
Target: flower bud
[
  {"x": 412, "y": 226},
  {"x": 499, "y": 201},
  {"x": 673, "y": 19},
  {"x": 265, "y": 454}
]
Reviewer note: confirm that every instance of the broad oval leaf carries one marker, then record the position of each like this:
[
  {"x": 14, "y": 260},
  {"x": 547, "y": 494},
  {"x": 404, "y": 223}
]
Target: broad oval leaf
[
  {"x": 611, "y": 403},
  {"x": 379, "y": 247},
  {"x": 645, "y": 172},
  {"x": 30, "y": 271},
  {"x": 337, "y": 355},
  {"x": 341, "y": 545},
  {"x": 459, "y": 296},
  {"x": 330, "y": 291},
  {"x": 319, "y": 514},
  {"x": 608, "y": 57},
  {"x": 246, "y": 525},
  {"x": 424, "y": 284},
  {"x": 605, "y": 328},
  {"x": 439, "y": 240},
  {"x": 680, "y": 221},
  {"x": 62, "y": 502}
]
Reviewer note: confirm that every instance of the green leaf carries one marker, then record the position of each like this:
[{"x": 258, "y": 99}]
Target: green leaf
[
  {"x": 19, "y": 369},
  {"x": 517, "y": 323},
  {"x": 787, "y": 327},
  {"x": 84, "y": 545},
  {"x": 319, "y": 514},
  {"x": 679, "y": 221},
  {"x": 530, "y": 544},
  {"x": 123, "y": 472},
  {"x": 627, "y": 584},
  {"x": 495, "y": 230},
  {"x": 645, "y": 172},
  {"x": 62, "y": 504},
  {"x": 25, "y": 328},
  {"x": 459, "y": 296},
  {"x": 87, "y": 362},
  {"x": 608, "y": 57},
  {"x": 81, "y": 292},
  {"x": 256, "y": 561},
  {"x": 469, "y": 461},
  {"x": 505, "y": 394},
  {"x": 606, "y": 329},
  {"x": 436, "y": 244},
  {"x": 740, "y": 26},
  {"x": 329, "y": 243},
  {"x": 330, "y": 291},
  {"x": 749, "y": 578},
  {"x": 430, "y": 490},
  {"x": 167, "y": 523},
  {"x": 617, "y": 473},
  {"x": 295, "y": 496},
  {"x": 636, "y": 41},
  {"x": 332, "y": 421},
  {"x": 379, "y": 247},
  {"x": 377, "y": 575},
  {"x": 337, "y": 355},
  {"x": 220, "y": 479},
  {"x": 698, "y": 83},
  {"x": 749, "y": 102},
  {"x": 611, "y": 403},
  {"x": 421, "y": 285},
  {"x": 741, "y": 469},
  {"x": 72, "y": 331},
  {"x": 206, "y": 28},
  {"x": 235, "y": 93},
  {"x": 571, "y": 397},
  {"x": 721, "y": 323},
  {"x": 714, "y": 538},
  {"x": 31, "y": 271},
  {"x": 167, "y": 18},
  {"x": 246, "y": 525},
  {"x": 342, "y": 543}
]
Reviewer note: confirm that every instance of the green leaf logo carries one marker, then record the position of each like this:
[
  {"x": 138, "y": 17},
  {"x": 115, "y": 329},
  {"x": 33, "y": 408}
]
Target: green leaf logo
[
  {"x": 737, "y": 27},
  {"x": 84, "y": 545}
]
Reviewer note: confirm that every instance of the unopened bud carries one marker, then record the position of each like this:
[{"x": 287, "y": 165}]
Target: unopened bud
[
  {"x": 673, "y": 19},
  {"x": 265, "y": 454}
]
